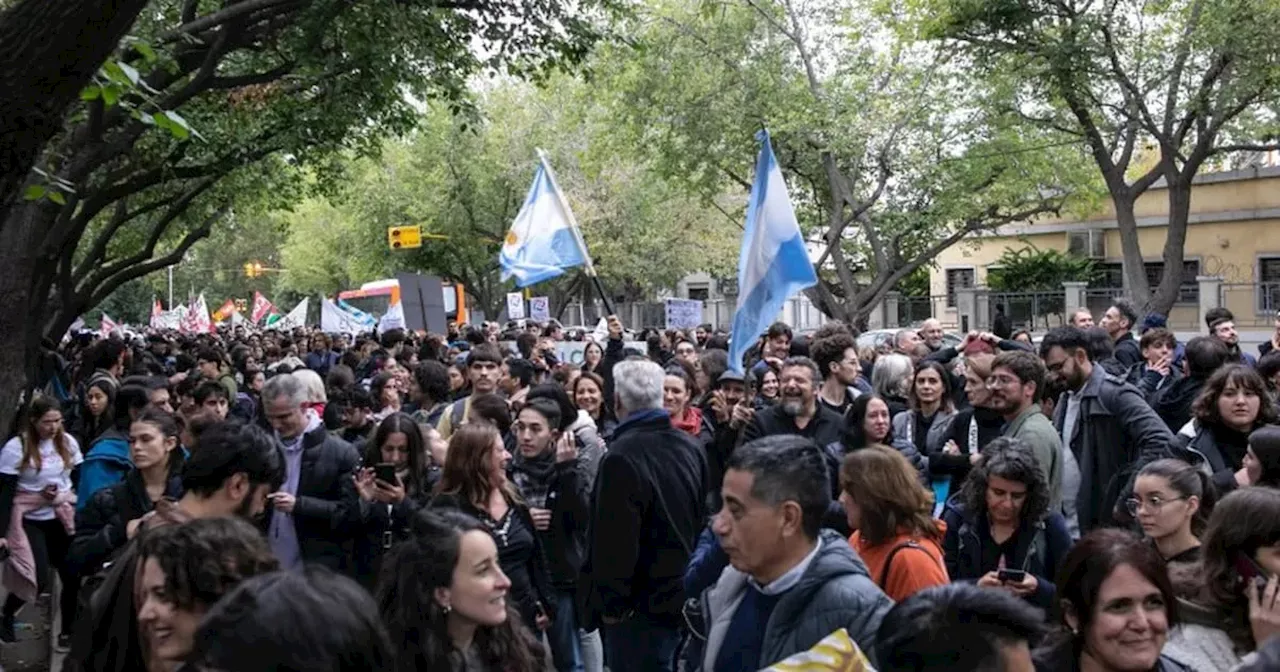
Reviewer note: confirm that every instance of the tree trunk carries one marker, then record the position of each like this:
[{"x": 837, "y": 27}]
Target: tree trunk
[
  {"x": 48, "y": 51},
  {"x": 1135, "y": 272},
  {"x": 1174, "y": 243},
  {"x": 21, "y": 317}
]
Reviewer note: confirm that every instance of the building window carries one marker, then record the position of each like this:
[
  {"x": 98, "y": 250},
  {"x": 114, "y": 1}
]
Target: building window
[
  {"x": 1268, "y": 291},
  {"x": 1111, "y": 276},
  {"x": 700, "y": 293},
  {"x": 957, "y": 278}
]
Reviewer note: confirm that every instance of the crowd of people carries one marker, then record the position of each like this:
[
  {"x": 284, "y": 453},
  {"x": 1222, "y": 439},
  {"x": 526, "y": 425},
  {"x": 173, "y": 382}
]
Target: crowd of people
[{"x": 246, "y": 500}]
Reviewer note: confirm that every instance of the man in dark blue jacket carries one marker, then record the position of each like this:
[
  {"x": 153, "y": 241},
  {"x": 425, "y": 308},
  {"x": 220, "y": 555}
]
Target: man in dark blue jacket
[{"x": 648, "y": 511}]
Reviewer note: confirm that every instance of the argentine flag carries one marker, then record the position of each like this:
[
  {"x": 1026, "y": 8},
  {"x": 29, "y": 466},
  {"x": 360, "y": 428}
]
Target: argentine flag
[
  {"x": 360, "y": 317},
  {"x": 544, "y": 240},
  {"x": 774, "y": 263}
]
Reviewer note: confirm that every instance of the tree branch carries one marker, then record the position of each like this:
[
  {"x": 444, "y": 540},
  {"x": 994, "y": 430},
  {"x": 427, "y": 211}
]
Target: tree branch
[{"x": 123, "y": 275}]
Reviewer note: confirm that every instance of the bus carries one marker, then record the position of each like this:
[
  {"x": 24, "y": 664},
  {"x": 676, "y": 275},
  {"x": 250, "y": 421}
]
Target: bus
[{"x": 378, "y": 296}]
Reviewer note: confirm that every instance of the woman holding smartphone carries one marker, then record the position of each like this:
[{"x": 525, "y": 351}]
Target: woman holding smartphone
[
  {"x": 1228, "y": 608},
  {"x": 392, "y": 486},
  {"x": 1000, "y": 532}
]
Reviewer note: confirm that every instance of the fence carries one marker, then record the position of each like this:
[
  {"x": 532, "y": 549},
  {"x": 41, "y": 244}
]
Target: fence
[
  {"x": 912, "y": 310},
  {"x": 1032, "y": 311},
  {"x": 1254, "y": 305}
]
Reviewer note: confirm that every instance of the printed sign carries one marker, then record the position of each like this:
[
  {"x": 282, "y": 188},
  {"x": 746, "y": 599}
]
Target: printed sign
[
  {"x": 539, "y": 309},
  {"x": 683, "y": 313},
  {"x": 515, "y": 306}
]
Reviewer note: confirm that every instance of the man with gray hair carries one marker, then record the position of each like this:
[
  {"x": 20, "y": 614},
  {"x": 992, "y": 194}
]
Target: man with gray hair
[
  {"x": 648, "y": 510},
  {"x": 317, "y": 497},
  {"x": 790, "y": 583}
]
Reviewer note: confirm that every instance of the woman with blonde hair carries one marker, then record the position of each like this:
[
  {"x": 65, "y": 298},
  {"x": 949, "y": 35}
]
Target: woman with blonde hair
[
  {"x": 891, "y": 513},
  {"x": 474, "y": 481}
]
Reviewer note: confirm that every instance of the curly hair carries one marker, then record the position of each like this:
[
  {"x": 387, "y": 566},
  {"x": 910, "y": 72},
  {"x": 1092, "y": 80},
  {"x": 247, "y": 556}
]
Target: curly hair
[
  {"x": 205, "y": 558},
  {"x": 1239, "y": 376},
  {"x": 1010, "y": 459},
  {"x": 414, "y": 618}
]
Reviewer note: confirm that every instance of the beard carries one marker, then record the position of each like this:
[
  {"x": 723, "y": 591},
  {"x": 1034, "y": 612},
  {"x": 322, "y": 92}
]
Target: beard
[{"x": 792, "y": 407}]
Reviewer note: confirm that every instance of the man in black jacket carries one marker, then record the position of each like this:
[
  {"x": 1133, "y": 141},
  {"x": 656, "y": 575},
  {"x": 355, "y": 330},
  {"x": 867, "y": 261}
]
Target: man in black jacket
[
  {"x": 307, "y": 512},
  {"x": 1203, "y": 356},
  {"x": 648, "y": 511},
  {"x": 1108, "y": 430},
  {"x": 1118, "y": 322},
  {"x": 798, "y": 412}
]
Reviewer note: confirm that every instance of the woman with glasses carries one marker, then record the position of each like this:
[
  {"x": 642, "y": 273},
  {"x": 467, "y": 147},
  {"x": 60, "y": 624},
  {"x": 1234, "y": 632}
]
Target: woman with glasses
[
  {"x": 37, "y": 514},
  {"x": 1171, "y": 501},
  {"x": 1232, "y": 405},
  {"x": 1000, "y": 532}
]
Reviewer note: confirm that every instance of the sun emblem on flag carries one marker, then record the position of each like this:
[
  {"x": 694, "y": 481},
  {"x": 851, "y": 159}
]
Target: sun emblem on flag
[{"x": 512, "y": 239}]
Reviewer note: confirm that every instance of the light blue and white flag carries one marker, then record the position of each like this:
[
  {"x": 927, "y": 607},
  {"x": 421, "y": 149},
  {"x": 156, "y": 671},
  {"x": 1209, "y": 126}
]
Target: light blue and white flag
[
  {"x": 362, "y": 318},
  {"x": 544, "y": 240},
  {"x": 341, "y": 318},
  {"x": 774, "y": 262}
]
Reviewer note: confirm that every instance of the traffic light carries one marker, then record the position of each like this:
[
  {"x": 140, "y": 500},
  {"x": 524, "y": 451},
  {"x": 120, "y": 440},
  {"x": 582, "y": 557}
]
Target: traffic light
[
  {"x": 253, "y": 269},
  {"x": 404, "y": 237}
]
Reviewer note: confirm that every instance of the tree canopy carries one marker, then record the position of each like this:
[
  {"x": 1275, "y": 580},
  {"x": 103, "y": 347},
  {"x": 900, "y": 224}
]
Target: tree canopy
[
  {"x": 1189, "y": 83},
  {"x": 892, "y": 152}
]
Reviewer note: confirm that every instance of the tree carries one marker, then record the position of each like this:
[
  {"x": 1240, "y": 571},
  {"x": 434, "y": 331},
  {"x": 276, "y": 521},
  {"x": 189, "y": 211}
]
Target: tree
[
  {"x": 211, "y": 105},
  {"x": 1030, "y": 269},
  {"x": 1188, "y": 82},
  {"x": 892, "y": 153},
  {"x": 41, "y": 77},
  {"x": 465, "y": 177}
]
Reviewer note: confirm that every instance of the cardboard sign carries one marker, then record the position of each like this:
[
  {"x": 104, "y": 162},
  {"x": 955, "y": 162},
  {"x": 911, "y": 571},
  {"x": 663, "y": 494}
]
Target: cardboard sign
[
  {"x": 515, "y": 306},
  {"x": 539, "y": 309},
  {"x": 683, "y": 313}
]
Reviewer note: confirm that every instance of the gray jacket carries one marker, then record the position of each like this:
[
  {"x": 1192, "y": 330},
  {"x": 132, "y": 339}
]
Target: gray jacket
[
  {"x": 904, "y": 427},
  {"x": 835, "y": 592}
]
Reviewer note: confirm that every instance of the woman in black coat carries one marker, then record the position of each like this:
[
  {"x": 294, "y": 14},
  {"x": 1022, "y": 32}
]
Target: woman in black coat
[
  {"x": 387, "y": 507},
  {"x": 111, "y": 517}
]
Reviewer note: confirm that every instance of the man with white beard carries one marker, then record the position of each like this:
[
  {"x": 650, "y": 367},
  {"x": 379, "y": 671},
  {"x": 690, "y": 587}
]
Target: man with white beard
[{"x": 798, "y": 412}]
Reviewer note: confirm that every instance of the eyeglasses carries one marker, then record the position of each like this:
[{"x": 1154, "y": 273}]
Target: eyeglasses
[
  {"x": 1154, "y": 504},
  {"x": 1002, "y": 381}
]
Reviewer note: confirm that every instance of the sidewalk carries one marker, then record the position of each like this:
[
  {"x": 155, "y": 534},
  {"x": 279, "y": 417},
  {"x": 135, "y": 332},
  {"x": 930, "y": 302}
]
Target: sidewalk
[{"x": 33, "y": 650}]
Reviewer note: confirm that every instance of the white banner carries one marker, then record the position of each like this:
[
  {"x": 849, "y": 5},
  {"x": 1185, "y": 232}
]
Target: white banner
[{"x": 296, "y": 317}]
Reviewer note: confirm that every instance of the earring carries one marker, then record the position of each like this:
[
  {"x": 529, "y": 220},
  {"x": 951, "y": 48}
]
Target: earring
[{"x": 447, "y": 609}]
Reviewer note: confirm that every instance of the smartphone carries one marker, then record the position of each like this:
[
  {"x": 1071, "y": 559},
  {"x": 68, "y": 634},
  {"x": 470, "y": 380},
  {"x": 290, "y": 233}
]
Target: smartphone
[
  {"x": 1248, "y": 570},
  {"x": 1011, "y": 576},
  {"x": 385, "y": 472}
]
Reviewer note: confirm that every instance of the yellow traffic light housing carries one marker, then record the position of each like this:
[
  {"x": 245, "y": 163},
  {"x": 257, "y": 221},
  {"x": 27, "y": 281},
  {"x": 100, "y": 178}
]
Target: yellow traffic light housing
[{"x": 404, "y": 237}]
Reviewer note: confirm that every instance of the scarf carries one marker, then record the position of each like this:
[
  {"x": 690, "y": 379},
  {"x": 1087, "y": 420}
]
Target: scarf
[
  {"x": 690, "y": 423},
  {"x": 532, "y": 476}
]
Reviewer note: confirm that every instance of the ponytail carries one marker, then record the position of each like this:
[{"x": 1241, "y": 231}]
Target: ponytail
[{"x": 1188, "y": 481}]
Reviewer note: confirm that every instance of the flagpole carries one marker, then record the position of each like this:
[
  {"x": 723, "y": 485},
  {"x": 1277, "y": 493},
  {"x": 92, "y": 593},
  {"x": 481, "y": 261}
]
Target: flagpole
[{"x": 577, "y": 234}]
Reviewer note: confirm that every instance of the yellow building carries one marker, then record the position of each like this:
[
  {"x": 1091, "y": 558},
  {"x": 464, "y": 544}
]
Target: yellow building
[{"x": 1233, "y": 235}]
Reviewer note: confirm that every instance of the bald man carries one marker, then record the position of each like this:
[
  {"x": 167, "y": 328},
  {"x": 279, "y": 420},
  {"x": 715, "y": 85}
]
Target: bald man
[{"x": 931, "y": 334}]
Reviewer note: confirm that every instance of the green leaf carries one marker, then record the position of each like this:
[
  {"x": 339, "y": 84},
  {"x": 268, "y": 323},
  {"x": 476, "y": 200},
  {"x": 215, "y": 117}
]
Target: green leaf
[
  {"x": 176, "y": 128},
  {"x": 182, "y": 125},
  {"x": 34, "y": 192},
  {"x": 122, "y": 73},
  {"x": 57, "y": 197},
  {"x": 145, "y": 49},
  {"x": 91, "y": 92},
  {"x": 110, "y": 94}
]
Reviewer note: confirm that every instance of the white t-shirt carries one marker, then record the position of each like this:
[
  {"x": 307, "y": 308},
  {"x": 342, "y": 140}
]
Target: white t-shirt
[{"x": 52, "y": 470}]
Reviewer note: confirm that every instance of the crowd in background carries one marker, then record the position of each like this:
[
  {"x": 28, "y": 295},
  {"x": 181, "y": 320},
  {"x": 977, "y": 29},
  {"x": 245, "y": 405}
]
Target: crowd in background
[{"x": 1099, "y": 498}]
